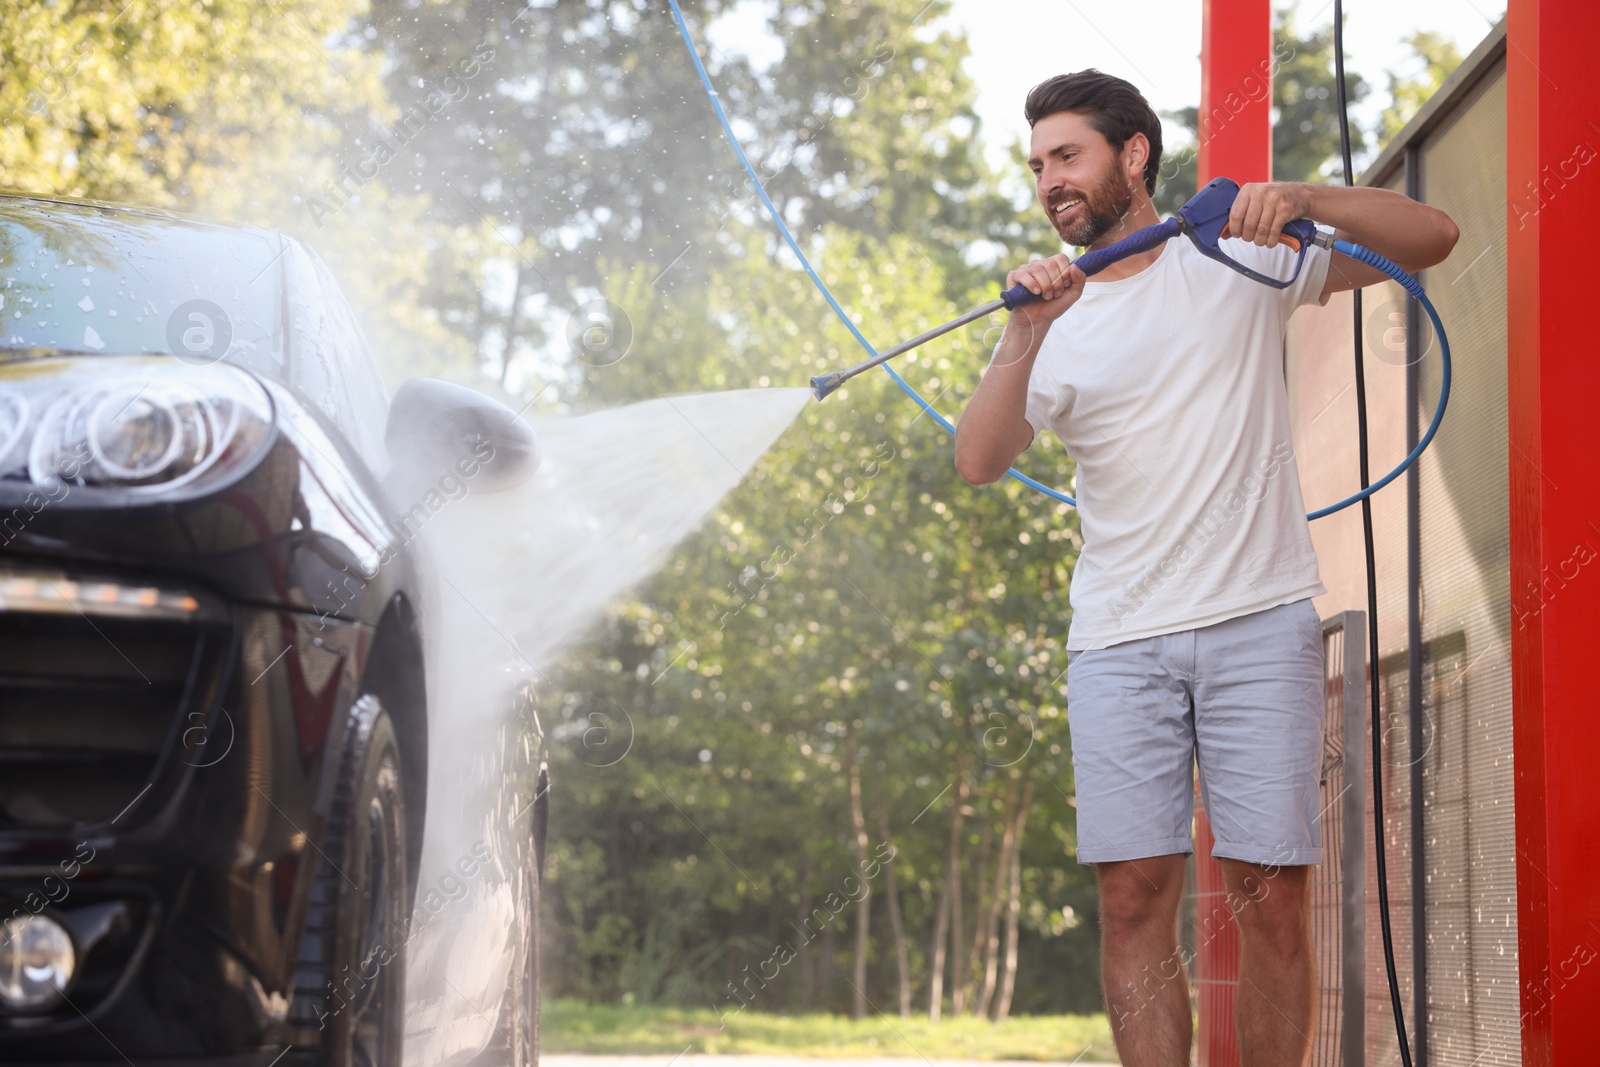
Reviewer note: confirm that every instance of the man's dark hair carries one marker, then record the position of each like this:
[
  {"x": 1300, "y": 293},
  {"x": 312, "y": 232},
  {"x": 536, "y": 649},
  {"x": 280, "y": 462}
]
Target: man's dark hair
[{"x": 1112, "y": 106}]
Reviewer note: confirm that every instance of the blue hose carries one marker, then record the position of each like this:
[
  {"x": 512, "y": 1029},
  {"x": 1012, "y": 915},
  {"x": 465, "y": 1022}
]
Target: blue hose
[
  {"x": 1413, "y": 288},
  {"x": 794, "y": 246},
  {"x": 1354, "y": 251}
]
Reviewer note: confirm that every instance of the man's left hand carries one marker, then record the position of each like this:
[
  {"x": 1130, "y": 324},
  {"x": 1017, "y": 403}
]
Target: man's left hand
[{"x": 1263, "y": 209}]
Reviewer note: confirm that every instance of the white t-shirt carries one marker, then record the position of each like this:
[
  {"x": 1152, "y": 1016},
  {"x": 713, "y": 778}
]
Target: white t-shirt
[{"x": 1167, "y": 390}]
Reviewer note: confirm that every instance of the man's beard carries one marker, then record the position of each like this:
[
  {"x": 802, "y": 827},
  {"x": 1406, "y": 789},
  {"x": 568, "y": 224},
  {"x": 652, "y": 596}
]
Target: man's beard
[{"x": 1104, "y": 206}]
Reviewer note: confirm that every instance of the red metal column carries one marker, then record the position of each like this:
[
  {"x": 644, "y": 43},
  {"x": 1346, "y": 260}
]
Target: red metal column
[
  {"x": 1216, "y": 953},
  {"x": 1236, "y": 91},
  {"x": 1553, "y": 215},
  {"x": 1235, "y": 134}
]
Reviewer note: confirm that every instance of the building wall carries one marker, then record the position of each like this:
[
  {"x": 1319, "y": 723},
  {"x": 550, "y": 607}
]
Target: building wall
[{"x": 1459, "y": 537}]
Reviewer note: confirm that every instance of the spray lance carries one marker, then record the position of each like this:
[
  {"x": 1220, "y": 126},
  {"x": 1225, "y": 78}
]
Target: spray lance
[{"x": 1204, "y": 220}]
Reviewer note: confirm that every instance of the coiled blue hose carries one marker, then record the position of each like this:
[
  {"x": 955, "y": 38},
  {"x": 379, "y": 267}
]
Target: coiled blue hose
[
  {"x": 1414, "y": 289},
  {"x": 1354, "y": 251}
]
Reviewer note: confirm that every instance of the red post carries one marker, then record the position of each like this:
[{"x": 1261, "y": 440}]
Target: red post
[
  {"x": 1236, "y": 91},
  {"x": 1216, "y": 954},
  {"x": 1553, "y": 214},
  {"x": 1235, "y": 134}
]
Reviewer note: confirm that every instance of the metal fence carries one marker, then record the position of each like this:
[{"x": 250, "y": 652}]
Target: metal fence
[{"x": 1338, "y": 886}]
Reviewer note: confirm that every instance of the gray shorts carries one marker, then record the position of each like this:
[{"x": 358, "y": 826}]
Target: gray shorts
[{"x": 1243, "y": 699}]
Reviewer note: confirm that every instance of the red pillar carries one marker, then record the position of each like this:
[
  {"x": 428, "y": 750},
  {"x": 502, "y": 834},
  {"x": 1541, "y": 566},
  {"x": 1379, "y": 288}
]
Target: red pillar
[
  {"x": 1236, "y": 91},
  {"x": 1216, "y": 953},
  {"x": 1553, "y": 215},
  {"x": 1235, "y": 134}
]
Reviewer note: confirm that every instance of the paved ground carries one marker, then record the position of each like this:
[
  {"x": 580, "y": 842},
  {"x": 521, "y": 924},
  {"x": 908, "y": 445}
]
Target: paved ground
[{"x": 698, "y": 1060}]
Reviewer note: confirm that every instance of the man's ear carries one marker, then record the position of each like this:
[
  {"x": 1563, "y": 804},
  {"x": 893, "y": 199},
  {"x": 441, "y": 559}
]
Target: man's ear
[{"x": 1136, "y": 152}]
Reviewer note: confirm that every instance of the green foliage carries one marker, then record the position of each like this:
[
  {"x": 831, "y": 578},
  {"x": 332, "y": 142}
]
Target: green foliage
[
  {"x": 854, "y": 584},
  {"x": 1437, "y": 56},
  {"x": 1305, "y": 130},
  {"x": 166, "y": 104},
  {"x": 1180, "y": 164}
]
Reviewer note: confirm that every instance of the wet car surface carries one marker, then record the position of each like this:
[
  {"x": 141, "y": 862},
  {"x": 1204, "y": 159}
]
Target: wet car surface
[{"x": 250, "y": 812}]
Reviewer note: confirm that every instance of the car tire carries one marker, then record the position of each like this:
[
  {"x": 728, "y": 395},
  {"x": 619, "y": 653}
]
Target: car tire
[{"x": 352, "y": 960}]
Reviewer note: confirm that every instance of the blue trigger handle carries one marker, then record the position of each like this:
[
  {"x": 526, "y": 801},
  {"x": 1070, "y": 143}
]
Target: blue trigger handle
[
  {"x": 1101, "y": 258},
  {"x": 1302, "y": 230}
]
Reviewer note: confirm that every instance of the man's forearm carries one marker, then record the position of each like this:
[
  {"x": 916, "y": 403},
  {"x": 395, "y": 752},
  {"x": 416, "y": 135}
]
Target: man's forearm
[
  {"x": 1412, "y": 234},
  {"x": 993, "y": 429}
]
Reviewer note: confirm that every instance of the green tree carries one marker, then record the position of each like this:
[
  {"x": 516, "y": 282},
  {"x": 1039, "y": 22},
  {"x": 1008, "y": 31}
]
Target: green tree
[
  {"x": 1305, "y": 131},
  {"x": 1436, "y": 56},
  {"x": 246, "y": 112},
  {"x": 167, "y": 104},
  {"x": 1305, "y": 128},
  {"x": 588, "y": 143},
  {"x": 854, "y": 590}
]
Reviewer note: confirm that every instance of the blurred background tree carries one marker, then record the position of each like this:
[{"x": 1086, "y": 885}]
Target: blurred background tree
[
  {"x": 1305, "y": 130},
  {"x": 167, "y": 104},
  {"x": 1434, "y": 58}
]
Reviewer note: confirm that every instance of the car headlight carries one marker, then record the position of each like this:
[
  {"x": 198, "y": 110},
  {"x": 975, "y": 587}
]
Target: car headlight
[
  {"x": 129, "y": 428},
  {"x": 37, "y": 960}
]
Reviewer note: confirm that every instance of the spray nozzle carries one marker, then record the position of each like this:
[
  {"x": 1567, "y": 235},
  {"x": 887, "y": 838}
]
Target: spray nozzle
[{"x": 823, "y": 384}]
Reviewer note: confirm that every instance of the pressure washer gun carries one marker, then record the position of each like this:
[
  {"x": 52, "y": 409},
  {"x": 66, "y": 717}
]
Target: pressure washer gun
[{"x": 1204, "y": 220}]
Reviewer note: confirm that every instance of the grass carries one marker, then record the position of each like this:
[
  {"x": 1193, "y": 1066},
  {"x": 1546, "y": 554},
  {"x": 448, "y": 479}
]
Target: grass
[{"x": 571, "y": 1026}]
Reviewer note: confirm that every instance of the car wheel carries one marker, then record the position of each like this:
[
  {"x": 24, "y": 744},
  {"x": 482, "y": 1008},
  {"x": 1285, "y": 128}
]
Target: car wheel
[{"x": 352, "y": 959}]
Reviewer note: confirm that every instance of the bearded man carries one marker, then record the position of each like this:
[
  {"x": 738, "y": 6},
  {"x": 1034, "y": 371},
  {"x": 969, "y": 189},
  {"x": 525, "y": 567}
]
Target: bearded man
[{"x": 1193, "y": 637}]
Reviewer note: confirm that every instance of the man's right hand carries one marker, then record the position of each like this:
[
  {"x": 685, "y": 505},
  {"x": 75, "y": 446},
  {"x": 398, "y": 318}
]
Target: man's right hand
[{"x": 1058, "y": 283}]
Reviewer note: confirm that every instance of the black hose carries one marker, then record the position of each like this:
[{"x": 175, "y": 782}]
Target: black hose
[{"x": 1372, "y": 578}]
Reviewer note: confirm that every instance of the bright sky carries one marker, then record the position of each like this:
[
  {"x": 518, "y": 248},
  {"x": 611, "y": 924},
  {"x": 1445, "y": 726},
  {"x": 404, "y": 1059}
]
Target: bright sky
[{"x": 1156, "y": 45}]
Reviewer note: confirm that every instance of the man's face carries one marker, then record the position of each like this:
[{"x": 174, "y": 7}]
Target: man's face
[{"x": 1079, "y": 180}]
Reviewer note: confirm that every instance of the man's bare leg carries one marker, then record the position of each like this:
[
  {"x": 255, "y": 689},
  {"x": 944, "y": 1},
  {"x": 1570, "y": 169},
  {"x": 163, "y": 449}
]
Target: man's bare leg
[
  {"x": 1146, "y": 986},
  {"x": 1276, "y": 1010}
]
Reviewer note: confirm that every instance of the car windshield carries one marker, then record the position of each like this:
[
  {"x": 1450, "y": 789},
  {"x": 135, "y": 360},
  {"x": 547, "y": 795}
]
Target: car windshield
[{"x": 86, "y": 279}]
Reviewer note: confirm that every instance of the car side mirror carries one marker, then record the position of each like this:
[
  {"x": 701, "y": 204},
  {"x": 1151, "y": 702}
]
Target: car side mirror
[{"x": 437, "y": 429}]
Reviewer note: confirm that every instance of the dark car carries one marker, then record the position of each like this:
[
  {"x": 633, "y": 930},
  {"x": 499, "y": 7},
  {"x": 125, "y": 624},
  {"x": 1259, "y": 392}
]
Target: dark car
[{"x": 250, "y": 812}]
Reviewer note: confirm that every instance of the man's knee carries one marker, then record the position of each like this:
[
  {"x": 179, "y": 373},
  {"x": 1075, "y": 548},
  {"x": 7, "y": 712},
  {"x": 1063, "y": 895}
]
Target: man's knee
[
  {"x": 1272, "y": 906},
  {"x": 1140, "y": 896}
]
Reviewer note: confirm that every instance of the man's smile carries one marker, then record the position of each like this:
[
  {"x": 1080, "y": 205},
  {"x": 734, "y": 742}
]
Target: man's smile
[{"x": 1063, "y": 208}]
